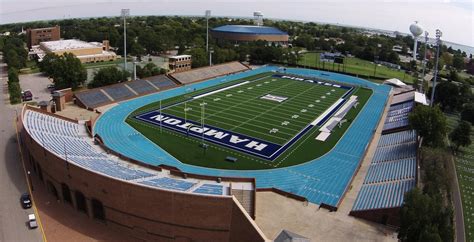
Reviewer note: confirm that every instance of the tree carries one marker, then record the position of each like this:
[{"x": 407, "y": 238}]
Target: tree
[
  {"x": 14, "y": 88},
  {"x": 447, "y": 96},
  {"x": 458, "y": 62},
  {"x": 467, "y": 113},
  {"x": 199, "y": 57},
  {"x": 150, "y": 69},
  {"x": 430, "y": 123},
  {"x": 460, "y": 136},
  {"x": 71, "y": 72},
  {"x": 66, "y": 70},
  {"x": 49, "y": 62},
  {"x": 137, "y": 50},
  {"x": 107, "y": 76},
  {"x": 414, "y": 215}
]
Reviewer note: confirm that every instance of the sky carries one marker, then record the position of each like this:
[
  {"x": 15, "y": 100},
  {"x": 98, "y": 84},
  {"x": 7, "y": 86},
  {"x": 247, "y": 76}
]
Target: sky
[{"x": 454, "y": 17}]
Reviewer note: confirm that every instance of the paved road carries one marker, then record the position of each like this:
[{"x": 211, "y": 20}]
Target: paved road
[{"x": 12, "y": 180}]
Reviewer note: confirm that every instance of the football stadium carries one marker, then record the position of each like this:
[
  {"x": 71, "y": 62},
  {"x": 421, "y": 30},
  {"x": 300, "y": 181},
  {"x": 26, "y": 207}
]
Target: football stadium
[{"x": 182, "y": 156}]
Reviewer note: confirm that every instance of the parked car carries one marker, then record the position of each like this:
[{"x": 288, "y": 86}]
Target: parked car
[
  {"x": 26, "y": 95},
  {"x": 32, "y": 224},
  {"x": 25, "y": 200}
]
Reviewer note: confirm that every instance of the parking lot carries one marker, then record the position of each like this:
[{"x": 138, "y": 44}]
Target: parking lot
[{"x": 37, "y": 83}]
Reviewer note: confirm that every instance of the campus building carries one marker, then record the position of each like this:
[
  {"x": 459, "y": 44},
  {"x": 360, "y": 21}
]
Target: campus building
[
  {"x": 36, "y": 36},
  {"x": 247, "y": 33},
  {"x": 85, "y": 51},
  {"x": 179, "y": 63}
]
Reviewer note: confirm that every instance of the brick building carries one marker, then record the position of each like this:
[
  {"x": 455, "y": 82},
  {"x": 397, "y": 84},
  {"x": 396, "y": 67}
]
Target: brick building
[
  {"x": 180, "y": 63},
  {"x": 35, "y": 36}
]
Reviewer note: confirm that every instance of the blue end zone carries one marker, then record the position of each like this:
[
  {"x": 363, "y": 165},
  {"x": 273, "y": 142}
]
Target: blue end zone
[{"x": 241, "y": 142}]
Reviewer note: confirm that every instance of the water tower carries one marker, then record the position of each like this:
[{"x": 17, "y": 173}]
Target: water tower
[
  {"x": 258, "y": 18},
  {"x": 416, "y": 30}
]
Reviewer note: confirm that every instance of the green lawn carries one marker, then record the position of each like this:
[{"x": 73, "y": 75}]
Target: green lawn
[
  {"x": 103, "y": 64},
  {"x": 31, "y": 67},
  {"x": 241, "y": 110},
  {"x": 465, "y": 171},
  {"x": 356, "y": 66}
]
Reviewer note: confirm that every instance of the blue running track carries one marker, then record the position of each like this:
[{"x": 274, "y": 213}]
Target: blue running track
[{"x": 323, "y": 180}]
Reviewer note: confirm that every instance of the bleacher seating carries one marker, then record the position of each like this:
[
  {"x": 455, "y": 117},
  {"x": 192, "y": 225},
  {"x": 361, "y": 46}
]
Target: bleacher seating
[
  {"x": 205, "y": 73},
  {"x": 96, "y": 97},
  {"x": 209, "y": 189},
  {"x": 93, "y": 98},
  {"x": 391, "y": 173},
  {"x": 392, "y": 170},
  {"x": 141, "y": 87},
  {"x": 62, "y": 138},
  {"x": 169, "y": 183},
  {"x": 161, "y": 81},
  {"x": 382, "y": 195},
  {"x": 397, "y": 116},
  {"x": 118, "y": 92}
]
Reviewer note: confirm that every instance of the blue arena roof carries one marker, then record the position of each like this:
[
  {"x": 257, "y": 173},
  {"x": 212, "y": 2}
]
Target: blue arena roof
[{"x": 249, "y": 29}]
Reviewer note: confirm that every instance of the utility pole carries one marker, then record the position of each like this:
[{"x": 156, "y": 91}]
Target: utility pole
[
  {"x": 424, "y": 62},
  {"x": 438, "y": 43},
  {"x": 125, "y": 14}
]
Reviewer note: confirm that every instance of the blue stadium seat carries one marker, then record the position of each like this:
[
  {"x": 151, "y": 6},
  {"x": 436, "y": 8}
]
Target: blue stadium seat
[{"x": 62, "y": 138}]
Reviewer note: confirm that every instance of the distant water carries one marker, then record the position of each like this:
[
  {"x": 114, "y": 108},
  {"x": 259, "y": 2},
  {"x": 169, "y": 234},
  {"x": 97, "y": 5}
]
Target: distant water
[{"x": 465, "y": 48}]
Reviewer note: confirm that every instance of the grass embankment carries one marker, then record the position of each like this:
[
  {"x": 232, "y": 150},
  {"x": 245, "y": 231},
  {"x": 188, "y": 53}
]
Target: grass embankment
[
  {"x": 464, "y": 160},
  {"x": 356, "y": 66}
]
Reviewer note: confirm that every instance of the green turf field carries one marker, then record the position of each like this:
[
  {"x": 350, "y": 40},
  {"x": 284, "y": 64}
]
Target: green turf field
[
  {"x": 356, "y": 66},
  {"x": 242, "y": 110},
  {"x": 465, "y": 171}
]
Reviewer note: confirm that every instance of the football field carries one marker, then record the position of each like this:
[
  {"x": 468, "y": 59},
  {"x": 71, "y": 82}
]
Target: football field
[{"x": 262, "y": 116}]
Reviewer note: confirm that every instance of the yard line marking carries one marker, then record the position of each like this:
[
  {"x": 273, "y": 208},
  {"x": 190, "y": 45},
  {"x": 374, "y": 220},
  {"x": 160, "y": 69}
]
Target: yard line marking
[{"x": 278, "y": 105}]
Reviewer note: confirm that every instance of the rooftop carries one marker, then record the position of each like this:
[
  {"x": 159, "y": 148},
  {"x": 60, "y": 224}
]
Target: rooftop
[
  {"x": 249, "y": 29},
  {"x": 179, "y": 56},
  {"x": 69, "y": 44}
]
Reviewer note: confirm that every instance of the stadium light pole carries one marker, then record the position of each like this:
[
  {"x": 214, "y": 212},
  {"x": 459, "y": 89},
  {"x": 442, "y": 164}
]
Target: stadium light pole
[
  {"x": 208, "y": 15},
  {"x": 438, "y": 43},
  {"x": 424, "y": 61},
  {"x": 125, "y": 13}
]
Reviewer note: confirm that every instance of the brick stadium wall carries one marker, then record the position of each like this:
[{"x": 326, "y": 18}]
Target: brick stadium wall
[
  {"x": 387, "y": 216},
  {"x": 68, "y": 95},
  {"x": 249, "y": 37},
  {"x": 145, "y": 212}
]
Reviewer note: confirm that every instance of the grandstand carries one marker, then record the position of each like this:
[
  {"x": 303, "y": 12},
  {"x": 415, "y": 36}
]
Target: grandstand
[
  {"x": 205, "y": 73},
  {"x": 64, "y": 155},
  {"x": 392, "y": 173},
  {"x": 101, "y": 96},
  {"x": 397, "y": 117}
]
